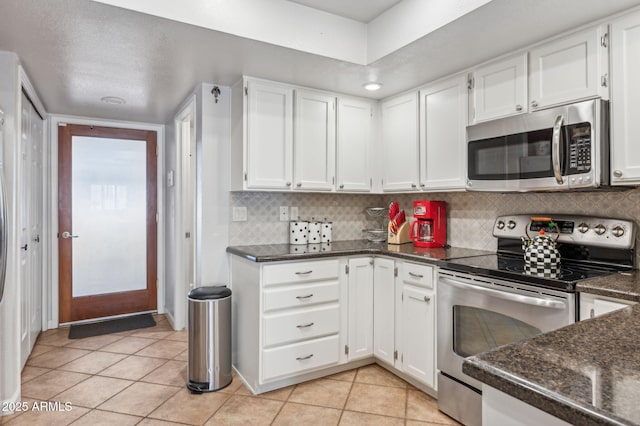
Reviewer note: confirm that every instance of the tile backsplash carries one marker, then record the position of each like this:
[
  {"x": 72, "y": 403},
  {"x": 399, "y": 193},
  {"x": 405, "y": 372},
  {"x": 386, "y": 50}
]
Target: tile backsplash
[{"x": 471, "y": 215}]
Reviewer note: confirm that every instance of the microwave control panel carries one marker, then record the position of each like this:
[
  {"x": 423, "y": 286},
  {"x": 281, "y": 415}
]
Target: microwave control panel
[{"x": 579, "y": 136}]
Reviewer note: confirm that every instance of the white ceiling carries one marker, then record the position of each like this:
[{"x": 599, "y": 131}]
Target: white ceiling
[
  {"x": 360, "y": 10},
  {"x": 78, "y": 51}
]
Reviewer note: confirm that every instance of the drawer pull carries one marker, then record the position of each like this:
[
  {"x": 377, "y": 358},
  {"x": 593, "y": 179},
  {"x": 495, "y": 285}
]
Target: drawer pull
[
  {"x": 302, "y": 358},
  {"x": 416, "y": 275},
  {"x": 305, "y": 297},
  {"x": 304, "y": 325},
  {"x": 425, "y": 299},
  {"x": 304, "y": 273}
]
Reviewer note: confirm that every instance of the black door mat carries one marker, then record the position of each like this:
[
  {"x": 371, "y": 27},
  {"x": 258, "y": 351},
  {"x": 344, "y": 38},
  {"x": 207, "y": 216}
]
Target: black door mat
[{"x": 111, "y": 326}]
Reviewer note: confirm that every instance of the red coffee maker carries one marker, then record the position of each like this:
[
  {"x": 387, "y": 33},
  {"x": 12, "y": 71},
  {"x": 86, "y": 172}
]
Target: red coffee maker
[{"x": 430, "y": 226}]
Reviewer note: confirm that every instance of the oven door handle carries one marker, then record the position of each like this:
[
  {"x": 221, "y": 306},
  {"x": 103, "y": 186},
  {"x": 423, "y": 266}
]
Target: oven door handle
[
  {"x": 520, "y": 298},
  {"x": 555, "y": 149}
]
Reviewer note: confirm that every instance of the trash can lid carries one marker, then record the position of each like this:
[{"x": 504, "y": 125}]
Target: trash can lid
[{"x": 209, "y": 293}]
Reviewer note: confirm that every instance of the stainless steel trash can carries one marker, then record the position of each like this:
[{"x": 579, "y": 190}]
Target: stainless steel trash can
[{"x": 209, "y": 365}]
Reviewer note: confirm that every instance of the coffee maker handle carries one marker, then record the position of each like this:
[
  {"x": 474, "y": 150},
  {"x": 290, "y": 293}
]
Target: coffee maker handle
[{"x": 414, "y": 225}]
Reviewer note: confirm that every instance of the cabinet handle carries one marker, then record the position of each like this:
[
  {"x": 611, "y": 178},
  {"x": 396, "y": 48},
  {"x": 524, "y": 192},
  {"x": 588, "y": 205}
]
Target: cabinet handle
[
  {"x": 518, "y": 107},
  {"x": 617, "y": 173},
  {"x": 422, "y": 185},
  {"x": 304, "y": 273},
  {"x": 341, "y": 186},
  {"x": 305, "y": 297},
  {"x": 534, "y": 104},
  {"x": 299, "y": 184},
  {"x": 425, "y": 299},
  {"x": 288, "y": 183},
  {"x": 302, "y": 358},
  {"x": 416, "y": 275},
  {"x": 304, "y": 325},
  {"x": 413, "y": 185}
]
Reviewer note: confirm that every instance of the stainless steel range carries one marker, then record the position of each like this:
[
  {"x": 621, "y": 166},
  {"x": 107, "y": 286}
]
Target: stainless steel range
[{"x": 491, "y": 300}]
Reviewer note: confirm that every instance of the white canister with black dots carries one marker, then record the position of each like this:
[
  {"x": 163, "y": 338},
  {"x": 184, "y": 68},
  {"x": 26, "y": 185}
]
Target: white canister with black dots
[
  {"x": 298, "y": 231},
  {"x": 315, "y": 232},
  {"x": 326, "y": 232}
]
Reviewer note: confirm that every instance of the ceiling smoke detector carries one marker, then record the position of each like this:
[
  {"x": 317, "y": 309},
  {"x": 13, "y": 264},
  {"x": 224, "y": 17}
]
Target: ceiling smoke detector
[
  {"x": 113, "y": 100},
  {"x": 372, "y": 86}
]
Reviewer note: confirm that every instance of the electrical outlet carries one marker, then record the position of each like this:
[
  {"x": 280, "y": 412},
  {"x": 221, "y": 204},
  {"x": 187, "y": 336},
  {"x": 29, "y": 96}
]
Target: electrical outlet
[
  {"x": 294, "y": 213},
  {"x": 239, "y": 214},
  {"x": 284, "y": 214}
]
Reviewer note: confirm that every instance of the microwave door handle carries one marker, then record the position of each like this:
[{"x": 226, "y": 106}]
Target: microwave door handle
[
  {"x": 519, "y": 298},
  {"x": 555, "y": 150}
]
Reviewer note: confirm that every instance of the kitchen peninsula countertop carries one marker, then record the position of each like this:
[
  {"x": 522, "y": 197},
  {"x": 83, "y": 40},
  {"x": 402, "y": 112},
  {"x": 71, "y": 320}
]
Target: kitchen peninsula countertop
[
  {"x": 584, "y": 373},
  {"x": 621, "y": 286},
  {"x": 284, "y": 252}
]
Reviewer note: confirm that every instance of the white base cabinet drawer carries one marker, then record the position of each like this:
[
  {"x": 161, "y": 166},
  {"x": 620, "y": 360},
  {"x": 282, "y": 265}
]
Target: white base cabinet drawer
[
  {"x": 299, "y": 357},
  {"x": 299, "y": 325},
  {"x": 300, "y": 295},
  {"x": 320, "y": 270},
  {"x": 418, "y": 275}
]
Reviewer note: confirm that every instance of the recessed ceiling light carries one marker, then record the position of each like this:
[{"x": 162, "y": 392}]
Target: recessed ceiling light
[
  {"x": 114, "y": 100},
  {"x": 372, "y": 86}
]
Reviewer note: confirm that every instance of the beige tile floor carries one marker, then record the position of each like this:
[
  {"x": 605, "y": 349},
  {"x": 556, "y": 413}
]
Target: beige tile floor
[{"x": 138, "y": 377}]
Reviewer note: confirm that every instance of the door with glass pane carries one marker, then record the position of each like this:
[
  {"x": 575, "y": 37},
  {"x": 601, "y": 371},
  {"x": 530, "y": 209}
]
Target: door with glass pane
[{"x": 106, "y": 222}]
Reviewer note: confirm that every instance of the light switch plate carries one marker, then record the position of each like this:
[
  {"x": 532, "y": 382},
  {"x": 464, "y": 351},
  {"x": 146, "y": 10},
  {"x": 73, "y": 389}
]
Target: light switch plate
[
  {"x": 284, "y": 214},
  {"x": 239, "y": 214}
]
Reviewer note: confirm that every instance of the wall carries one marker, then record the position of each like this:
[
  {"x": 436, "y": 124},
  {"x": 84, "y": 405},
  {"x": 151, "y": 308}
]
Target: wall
[{"x": 471, "y": 215}]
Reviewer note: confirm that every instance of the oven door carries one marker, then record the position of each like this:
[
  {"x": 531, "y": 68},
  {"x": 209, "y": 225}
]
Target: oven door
[
  {"x": 476, "y": 314},
  {"x": 553, "y": 149}
]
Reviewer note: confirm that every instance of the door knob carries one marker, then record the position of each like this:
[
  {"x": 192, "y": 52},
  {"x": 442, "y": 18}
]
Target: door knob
[{"x": 66, "y": 234}]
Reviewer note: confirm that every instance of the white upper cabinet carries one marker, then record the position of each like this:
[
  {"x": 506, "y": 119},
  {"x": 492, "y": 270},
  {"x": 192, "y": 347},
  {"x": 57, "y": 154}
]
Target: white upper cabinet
[
  {"x": 443, "y": 119},
  {"x": 400, "y": 147},
  {"x": 314, "y": 141},
  {"x": 499, "y": 89},
  {"x": 269, "y": 135},
  {"x": 354, "y": 145},
  {"x": 569, "y": 69},
  {"x": 625, "y": 99}
]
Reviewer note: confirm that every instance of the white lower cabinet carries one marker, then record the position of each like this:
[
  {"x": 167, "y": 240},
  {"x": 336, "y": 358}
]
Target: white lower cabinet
[
  {"x": 592, "y": 305},
  {"x": 295, "y": 319},
  {"x": 384, "y": 309},
  {"x": 360, "y": 317}
]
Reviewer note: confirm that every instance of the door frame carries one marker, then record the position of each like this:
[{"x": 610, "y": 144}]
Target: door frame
[{"x": 52, "y": 313}]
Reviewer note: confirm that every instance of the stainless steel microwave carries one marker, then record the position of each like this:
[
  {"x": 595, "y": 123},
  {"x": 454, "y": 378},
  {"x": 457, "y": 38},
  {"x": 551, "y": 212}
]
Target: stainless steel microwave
[{"x": 555, "y": 149}]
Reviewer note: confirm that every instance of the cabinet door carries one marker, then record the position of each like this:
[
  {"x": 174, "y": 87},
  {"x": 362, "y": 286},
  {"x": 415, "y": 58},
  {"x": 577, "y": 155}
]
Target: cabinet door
[
  {"x": 360, "y": 308},
  {"x": 625, "y": 99},
  {"x": 400, "y": 143},
  {"x": 418, "y": 333},
  {"x": 314, "y": 141},
  {"x": 354, "y": 141},
  {"x": 500, "y": 89},
  {"x": 443, "y": 120},
  {"x": 269, "y": 135},
  {"x": 567, "y": 70},
  {"x": 383, "y": 309}
]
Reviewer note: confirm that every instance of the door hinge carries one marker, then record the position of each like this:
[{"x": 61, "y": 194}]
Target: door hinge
[
  {"x": 604, "y": 80},
  {"x": 395, "y": 271},
  {"x": 370, "y": 183},
  {"x": 187, "y": 234},
  {"x": 245, "y": 176},
  {"x": 346, "y": 269},
  {"x": 470, "y": 83},
  {"x": 402, "y": 358},
  {"x": 156, "y": 150},
  {"x": 246, "y": 91},
  {"x": 157, "y": 217},
  {"x": 395, "y": 354},
  {"x": 346, "y": 349},
  {"x": 604, "y": 40},
  {"x": 333, "y": 180},
  {"x": 402, "y": 297}
]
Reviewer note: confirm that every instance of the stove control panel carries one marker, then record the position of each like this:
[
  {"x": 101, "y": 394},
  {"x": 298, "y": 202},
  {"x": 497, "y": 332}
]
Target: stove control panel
[{"x": 597, "y": 231}]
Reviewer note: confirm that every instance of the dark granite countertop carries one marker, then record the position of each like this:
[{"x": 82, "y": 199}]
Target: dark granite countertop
[
  {"x": 585, "y": 373},
  {"x": 282, "y": 252},
  {"x": 622, "y": 286}
]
